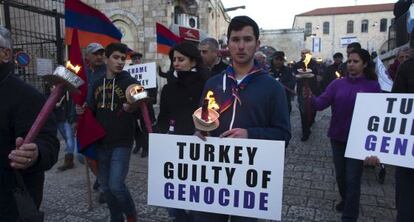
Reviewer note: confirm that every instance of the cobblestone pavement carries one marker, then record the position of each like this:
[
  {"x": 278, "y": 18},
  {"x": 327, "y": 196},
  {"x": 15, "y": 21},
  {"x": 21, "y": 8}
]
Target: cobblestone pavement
[{"x": 310, "y": 191}]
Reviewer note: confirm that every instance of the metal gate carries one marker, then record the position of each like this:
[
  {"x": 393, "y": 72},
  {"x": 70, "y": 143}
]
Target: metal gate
[{"x": 37, "y": 28}]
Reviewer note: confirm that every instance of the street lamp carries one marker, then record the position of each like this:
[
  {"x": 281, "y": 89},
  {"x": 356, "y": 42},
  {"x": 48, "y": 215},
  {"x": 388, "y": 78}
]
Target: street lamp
[{"x": 234, "y": 8}]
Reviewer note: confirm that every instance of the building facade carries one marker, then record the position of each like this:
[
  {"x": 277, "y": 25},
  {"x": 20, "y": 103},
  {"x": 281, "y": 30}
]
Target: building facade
[
  {"x": 137, "y": 18},
  {"x": 330, "y": 30}
]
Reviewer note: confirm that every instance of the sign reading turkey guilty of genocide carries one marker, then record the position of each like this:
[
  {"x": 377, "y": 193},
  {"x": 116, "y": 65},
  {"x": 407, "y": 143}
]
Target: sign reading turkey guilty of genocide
[
  {"x": 221, "y": 175},
  {"x": 383, "y": 126}
]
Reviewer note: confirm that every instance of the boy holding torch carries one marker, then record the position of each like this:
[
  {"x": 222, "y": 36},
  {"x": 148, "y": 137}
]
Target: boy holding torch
[{"x": 252, "y": 103}]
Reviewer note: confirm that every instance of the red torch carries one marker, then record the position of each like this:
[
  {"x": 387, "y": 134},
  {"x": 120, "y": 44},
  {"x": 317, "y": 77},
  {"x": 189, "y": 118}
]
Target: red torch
[
  {"x": 136, "y": 94},
  {"x": 63, "y": 78},
  {"x": 206, "y": 118}
]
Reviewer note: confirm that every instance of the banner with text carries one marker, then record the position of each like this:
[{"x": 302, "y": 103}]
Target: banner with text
[
  {"x": 241, "y": 177},
  {"x": 145, "y": 73},
  {"x": 383, "y": 126}
]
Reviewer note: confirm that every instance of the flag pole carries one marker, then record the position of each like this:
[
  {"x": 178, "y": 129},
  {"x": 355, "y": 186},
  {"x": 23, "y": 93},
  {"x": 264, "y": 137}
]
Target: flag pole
[
  {"x": 87, "y": 178},
  {"x": 88, "y": 185}
]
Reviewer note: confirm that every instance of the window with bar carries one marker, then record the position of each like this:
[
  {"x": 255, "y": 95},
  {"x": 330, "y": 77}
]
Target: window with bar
[
  {"x": 350, "y": 26},
  {"x": 364, "y": 25},
  {"x": 326, "y": 28}
]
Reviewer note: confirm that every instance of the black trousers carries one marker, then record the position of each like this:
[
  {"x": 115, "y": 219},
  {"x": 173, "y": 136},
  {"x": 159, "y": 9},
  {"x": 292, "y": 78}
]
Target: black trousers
[
  {"x": 404, "y": 194},
  {"x": 307, "y": 116}
]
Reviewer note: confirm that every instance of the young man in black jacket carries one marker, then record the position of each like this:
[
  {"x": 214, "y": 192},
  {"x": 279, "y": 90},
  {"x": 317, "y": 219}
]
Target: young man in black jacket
[
  {"x": 332, "y": 71},
  {"x": 111, "y": 110},
  {"x": 20, "y": 104},
  {"x": 284, "y": 75}
]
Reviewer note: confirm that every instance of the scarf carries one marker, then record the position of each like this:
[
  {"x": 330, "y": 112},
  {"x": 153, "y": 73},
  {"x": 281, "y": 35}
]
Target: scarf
[{"x": 236, "y": 88}]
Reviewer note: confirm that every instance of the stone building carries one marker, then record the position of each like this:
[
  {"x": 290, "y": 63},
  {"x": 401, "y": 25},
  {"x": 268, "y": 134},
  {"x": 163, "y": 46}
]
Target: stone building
[
  {"x": 191, "y": 19},
  {"x": 330, "y": 30},
  {"x": 136, "y": 19}
]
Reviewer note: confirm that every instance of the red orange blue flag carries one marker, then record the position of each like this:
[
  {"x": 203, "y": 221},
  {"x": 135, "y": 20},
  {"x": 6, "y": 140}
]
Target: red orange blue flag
[
  {"x": 166, "y": 39},
  {"x": 92, "y": 25},
  {"x": 89, "y": 130}
]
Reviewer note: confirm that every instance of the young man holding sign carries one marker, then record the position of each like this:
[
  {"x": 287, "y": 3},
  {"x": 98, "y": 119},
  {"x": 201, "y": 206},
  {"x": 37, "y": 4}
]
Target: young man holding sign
[{"x": 252, "y": 104}]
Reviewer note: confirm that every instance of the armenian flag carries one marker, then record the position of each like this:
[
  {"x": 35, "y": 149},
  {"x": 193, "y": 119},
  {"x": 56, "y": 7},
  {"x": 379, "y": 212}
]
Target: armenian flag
[
  {"x": 92, "y": 25},
  {"x": 88, "y": 128},
  {"x": 166, "y": 39}
]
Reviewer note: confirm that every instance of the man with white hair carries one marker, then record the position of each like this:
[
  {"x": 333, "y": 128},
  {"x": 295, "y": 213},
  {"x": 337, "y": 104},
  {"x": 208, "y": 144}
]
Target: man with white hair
[
  {"x": 20, "y": 104},
  {"x": 260, "y": 57},
  {"x": 209, "y": 49}
]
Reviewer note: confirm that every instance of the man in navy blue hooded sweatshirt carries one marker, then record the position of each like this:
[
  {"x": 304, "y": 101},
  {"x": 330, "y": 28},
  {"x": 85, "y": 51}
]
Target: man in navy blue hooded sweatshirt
[{"x": 252, "y": 104}]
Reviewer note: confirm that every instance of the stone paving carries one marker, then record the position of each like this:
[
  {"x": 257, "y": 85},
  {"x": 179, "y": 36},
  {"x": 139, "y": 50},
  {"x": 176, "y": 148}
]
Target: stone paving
[{"x": 310, "y": 191}]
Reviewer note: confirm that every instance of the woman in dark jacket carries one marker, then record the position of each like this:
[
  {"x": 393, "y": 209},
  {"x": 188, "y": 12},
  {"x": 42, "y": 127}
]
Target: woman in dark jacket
[{"x": 180, "y": 97}]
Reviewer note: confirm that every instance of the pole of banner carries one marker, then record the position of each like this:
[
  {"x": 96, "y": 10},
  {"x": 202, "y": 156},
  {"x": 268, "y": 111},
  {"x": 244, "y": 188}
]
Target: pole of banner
[
  {"x": 88, "y": 185},
  {"x": 87, "y": 177}
]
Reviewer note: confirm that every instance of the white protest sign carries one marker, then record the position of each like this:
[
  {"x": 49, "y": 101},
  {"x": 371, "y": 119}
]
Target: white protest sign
[
  {"x": 145, "y": 74},
  {"x": 44, "y": 66},
  {"x": 384, "y": 78},
  {"x": 383, "y": 126},
  {"x": 241, "y": 177}
]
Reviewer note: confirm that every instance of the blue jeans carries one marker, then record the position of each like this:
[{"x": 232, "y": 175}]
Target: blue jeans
[
  {"x": 404, "y": 194},
  {"x": 65, "y": 129},
  {"x": 113, "y": 169},
  {"x": 209, "y": 217},
  {"x": 348, "y": 177}
]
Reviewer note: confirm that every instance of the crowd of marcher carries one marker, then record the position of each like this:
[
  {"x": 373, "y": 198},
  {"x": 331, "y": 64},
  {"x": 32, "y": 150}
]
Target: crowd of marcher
[{"x": 265, "y": 86}]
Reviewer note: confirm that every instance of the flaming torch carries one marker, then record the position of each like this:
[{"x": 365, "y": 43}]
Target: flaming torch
[
  {"x": 206, "y": 118},
  {"x": 136, "y": 94},
  {"x": 62, "y": 78},
  {"x": 337, "y": 74},
  {"x": 305, "y": 74}
]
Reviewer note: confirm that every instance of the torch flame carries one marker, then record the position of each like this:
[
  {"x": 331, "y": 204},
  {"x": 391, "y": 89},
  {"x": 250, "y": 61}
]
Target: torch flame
[
  {"x": 135, "y": 90},
  {"x": 337, "y": 75},
  {"x": 211, "y": 101},
  {"x": 307, "y": 60},
  {"x": 72, "y": 68}
]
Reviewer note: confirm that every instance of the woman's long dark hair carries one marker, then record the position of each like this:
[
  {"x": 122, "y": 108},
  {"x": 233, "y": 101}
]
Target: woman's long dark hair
[
  {"x": 369, "y": 70},
  {"x": 191, "y": 51}
]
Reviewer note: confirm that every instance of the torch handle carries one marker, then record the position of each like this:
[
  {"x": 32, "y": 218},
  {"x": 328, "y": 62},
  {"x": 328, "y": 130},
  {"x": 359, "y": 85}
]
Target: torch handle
[
  {"x": 44, "y": 113},
  {"x": 145, "y": 115}
]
